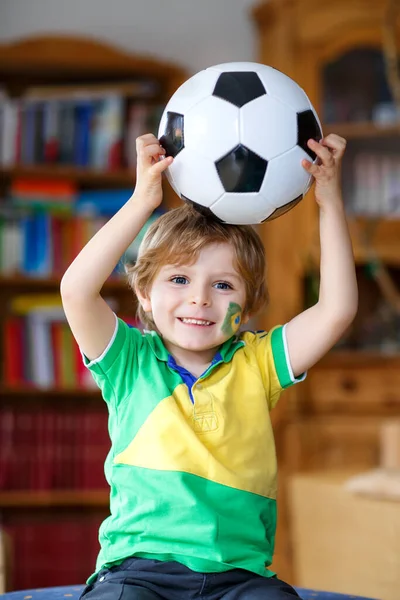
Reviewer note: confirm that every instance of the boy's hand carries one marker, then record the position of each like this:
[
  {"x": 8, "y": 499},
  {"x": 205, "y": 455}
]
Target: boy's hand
[
  {"x": 149, "y": 169},
  {"x": 327, "y": 171}
]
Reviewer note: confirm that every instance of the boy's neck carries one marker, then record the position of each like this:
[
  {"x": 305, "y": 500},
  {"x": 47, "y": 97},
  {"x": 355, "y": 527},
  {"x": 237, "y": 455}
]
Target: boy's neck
[{"x": 194, "y": 362}]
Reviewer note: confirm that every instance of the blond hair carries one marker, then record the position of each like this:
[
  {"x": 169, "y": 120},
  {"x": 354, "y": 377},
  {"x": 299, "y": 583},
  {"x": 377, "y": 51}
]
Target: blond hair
[{"x": 179, "y": 235}]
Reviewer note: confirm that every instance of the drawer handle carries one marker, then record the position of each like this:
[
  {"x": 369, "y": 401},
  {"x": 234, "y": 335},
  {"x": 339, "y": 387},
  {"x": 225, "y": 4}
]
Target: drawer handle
[{"x": 349, "y": 384}]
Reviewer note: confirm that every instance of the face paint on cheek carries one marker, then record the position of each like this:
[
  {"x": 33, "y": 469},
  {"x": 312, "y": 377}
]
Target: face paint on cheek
[{"x": 232, "y": 320}]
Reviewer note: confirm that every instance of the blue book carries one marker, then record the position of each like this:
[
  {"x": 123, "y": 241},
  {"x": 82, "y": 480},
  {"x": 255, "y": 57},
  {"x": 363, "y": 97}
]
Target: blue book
[
  {"x": 43, "y": 244},
  {"x": 83, "y": 116}
]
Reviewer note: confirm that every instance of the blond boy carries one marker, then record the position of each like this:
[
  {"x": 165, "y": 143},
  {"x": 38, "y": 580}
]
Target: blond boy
[{"x": 192, "y": 466}]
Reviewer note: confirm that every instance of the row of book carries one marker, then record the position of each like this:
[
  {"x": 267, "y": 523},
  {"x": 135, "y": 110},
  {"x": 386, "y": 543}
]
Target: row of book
[
  {"x": 60, "y": 549},
  {"x": 375, "y": 186},
  {"x": 44, "y": 225},
  {"x": 38, "y": 347},
  {"x": 92, "y": 128},
  {"x": 53, "y": 448}
]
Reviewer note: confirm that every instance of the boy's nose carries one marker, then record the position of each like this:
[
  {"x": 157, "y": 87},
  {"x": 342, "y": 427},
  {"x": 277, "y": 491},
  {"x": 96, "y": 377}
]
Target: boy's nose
[{"x": 200, "y": 297}]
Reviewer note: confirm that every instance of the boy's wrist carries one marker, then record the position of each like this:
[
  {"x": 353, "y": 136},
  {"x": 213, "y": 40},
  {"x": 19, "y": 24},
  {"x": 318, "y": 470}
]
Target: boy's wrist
[
  {"x": 141, "y": 203},
  {"x": 333, "y": 204}
]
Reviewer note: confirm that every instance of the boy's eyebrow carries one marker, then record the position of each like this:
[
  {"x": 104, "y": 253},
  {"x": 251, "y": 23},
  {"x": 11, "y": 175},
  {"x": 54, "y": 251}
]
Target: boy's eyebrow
[
  {"x": 218, "y": 275},
  {"x": 228, "y": 274}
]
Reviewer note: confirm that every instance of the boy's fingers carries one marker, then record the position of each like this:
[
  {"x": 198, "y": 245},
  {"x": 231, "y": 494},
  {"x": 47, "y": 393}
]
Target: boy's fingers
[
  {"x": 153, "y": 150},
  {"x": 310, "y": 167},
  {"x": 161, "y": 165},
  {"x": 336, "y": 143},
  {"x": 322, "y": 152},
  {"x": 146, "y": 138}
]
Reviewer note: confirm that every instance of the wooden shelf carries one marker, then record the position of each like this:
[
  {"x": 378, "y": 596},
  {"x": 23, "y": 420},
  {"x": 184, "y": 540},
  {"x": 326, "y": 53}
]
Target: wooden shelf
[
  {"x": 383, "y": 235},
  {"x": 70, "y": 498},
  {"x": 61, "y": 58},
  {"x": 82, "y": 176},
  {"x": 32, "y": 392},
  {"x": 362, "y": 130}
]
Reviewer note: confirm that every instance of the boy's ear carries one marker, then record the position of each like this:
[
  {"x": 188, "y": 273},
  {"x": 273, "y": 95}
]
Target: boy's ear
[
  {"x": 144, "y": 300},
  {"x": 245, "y": 318}
]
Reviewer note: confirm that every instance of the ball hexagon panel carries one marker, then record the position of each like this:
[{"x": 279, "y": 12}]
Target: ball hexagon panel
[
  {"x": 239, "y": 88},
  {"x": 259, "y": 131},
  {"x": 188, "y": 172},
  {"x": 281, "y": 181},
  {"x": 212, "y": 128},
  {"x": 194, "y": 90},
  {"x": 204, "y": 210},
  {"x": 308, "y": 127},
  {"x": 229, "y": 208},
  {"x": 169, "y": 176},
  {"x": 235, "y": 66},
  {"x": 172, "y": 138},
  {"x": 241, "y": 170},
  {"x": 283, "y": 209},
  {"x": 283, "y": 88}
]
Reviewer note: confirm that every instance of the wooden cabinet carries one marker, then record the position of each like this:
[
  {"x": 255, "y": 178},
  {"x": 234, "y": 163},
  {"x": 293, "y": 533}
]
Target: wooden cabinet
[{"x": 332, "y": 420}]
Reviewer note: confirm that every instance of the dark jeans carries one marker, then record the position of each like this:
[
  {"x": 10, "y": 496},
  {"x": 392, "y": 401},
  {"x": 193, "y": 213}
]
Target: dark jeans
[{"x": 145, "y": 579}]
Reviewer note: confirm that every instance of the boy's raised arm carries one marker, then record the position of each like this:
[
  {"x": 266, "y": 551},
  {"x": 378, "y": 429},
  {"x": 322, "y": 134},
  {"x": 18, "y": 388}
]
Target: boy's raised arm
[
  {"x": 90, "y": 318},
  {"x": 313, "y": 332}
]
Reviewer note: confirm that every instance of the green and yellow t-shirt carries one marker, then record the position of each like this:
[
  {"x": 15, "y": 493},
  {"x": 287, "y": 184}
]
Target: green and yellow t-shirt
[{"x": 192, "y": 471}]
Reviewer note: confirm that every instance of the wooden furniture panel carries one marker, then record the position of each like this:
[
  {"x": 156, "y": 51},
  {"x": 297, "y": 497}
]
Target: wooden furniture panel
[
  {"x": 353, "y": 545},
  {"x": 333, "y": 419}
]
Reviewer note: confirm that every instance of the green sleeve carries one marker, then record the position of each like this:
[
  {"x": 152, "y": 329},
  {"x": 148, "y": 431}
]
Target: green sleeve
[{"x": 116, "y": 368}]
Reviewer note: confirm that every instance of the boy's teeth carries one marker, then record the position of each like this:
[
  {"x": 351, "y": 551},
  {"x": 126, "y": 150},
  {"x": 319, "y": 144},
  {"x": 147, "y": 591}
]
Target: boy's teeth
[{"x": 196, "y": 321}]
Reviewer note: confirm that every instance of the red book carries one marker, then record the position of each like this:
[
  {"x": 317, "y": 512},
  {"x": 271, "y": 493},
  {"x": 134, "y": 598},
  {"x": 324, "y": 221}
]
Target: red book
[{"x": 13, "y": 351}]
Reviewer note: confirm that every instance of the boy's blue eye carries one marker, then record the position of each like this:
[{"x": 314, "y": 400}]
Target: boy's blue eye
[
  {"x": 222, "y": 285},
  {"x": 180, "y": 280}
]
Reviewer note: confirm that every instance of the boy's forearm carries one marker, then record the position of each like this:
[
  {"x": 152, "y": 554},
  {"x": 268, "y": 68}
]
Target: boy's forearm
[
  {"x": 338, "y": 287},
  {"x": 97, "y": 260}
]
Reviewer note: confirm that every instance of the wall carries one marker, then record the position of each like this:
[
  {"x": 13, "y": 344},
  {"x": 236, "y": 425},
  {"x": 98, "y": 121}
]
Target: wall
[{"x": 194, "y": 33}]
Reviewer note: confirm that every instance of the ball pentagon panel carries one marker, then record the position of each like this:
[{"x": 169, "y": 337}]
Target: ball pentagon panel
[
  {"x": 241, "y": 170},
  {"x": 172, "y": 138},
  {"x": 239, "y": 87},
  {"x": 308, "y": 127}
]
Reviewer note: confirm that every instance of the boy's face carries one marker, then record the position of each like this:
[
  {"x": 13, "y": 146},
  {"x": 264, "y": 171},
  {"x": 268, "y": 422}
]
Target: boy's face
[{"x": 198, "y": 307}]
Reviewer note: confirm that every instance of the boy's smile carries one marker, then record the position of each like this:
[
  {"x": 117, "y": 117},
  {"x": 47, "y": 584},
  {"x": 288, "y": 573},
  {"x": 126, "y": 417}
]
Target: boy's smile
[{"x": 197, "y": 307}]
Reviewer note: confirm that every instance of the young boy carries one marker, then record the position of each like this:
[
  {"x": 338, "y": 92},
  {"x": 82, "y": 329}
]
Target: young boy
[{"x": 192, "y": 466}]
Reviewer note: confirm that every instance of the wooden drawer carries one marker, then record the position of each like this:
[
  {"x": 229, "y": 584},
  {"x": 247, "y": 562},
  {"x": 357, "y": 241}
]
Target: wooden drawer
[
  {"x": 352, "y": 389},
  {"x": 332, "y": 442}
]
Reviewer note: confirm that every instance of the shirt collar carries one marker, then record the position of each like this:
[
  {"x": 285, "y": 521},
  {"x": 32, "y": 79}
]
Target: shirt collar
[{"x": 226, "y": 351}]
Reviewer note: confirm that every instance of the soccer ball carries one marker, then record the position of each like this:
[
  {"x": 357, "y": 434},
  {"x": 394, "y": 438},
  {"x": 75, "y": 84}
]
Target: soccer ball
[{"x": 238, "y": 133}]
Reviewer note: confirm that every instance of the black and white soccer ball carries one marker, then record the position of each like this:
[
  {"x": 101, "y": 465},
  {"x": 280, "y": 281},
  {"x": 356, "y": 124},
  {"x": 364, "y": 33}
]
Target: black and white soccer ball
[{"x": 238, "y": 133}]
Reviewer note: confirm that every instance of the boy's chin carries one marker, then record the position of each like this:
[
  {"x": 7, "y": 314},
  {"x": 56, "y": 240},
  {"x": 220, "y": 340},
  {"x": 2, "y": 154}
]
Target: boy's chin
[{"x": 196, "y": 345}]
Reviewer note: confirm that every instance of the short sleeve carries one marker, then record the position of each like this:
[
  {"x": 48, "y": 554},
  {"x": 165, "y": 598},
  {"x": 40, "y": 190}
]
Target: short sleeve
[
  {"x": 273, "y": 360},
  {"x": 115, "y": 370}
]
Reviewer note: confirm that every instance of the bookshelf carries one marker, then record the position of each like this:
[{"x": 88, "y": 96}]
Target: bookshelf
[{"x": 54, "y": 436}]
